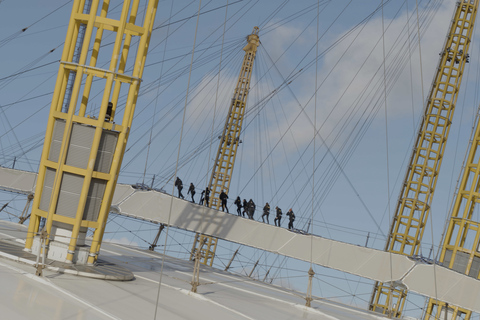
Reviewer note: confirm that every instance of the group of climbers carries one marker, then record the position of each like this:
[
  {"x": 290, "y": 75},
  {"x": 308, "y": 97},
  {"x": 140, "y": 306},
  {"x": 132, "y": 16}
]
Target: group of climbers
[
  {"x": 247, "y": 206},
  {"x": 204, "y": 196}
]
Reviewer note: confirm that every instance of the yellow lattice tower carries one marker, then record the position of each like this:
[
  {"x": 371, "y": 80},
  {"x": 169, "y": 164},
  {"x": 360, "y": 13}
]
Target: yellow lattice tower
[
  {"x": 415, "y": 198},
  {"x": 461, "y": 244},
  {"x": 82, "y": 152},
  {"x": 229, "y": 141}
]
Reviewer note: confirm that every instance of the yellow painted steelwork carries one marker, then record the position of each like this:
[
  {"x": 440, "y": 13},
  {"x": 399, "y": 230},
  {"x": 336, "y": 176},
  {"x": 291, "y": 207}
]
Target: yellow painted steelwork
[
  {"x": 111, "y": 119},
  {"x": 436, "y": 311},
  {"x": 461, "y": 244},
  {"x": 227, "y": 149},
  {"x": 414, "y": 203}
]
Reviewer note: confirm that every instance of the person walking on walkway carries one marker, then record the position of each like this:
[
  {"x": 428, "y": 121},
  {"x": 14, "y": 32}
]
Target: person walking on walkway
[
  {"x": 251, "y": 209},
  {"x": 207, "y": 196},
  {"x": 191, "y": 190},
  {"x": 202, "y": 198},
  {"x": 245, "y": 207},
  {"x": 223, "y": 197},
  {"x": 291, "y": 217},
  {"x": 238, "y": 202},
  {"x": 266, "y": 212},
  {"x": 179, "y": 185},
  {"x": 278, "y": 217}
]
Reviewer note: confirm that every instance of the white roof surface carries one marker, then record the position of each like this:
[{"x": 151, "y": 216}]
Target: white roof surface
[
  {"x": 415, "y": 275},
  {"x": 428, "y": 280},
  {"x": 222, "y": 296}
]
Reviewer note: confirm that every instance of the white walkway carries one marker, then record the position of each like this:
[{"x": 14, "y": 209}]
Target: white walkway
[{"x": 450, "y": 286}]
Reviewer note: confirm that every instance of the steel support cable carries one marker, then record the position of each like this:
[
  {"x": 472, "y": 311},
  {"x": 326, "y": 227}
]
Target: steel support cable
[
  {"x": 157, "y": 96},
  {"x": 198, "y": 148},
  {"x": 216, "y": 98},
  {"x": 315, "y": 131},
  {"x": 9, "y": 38},
  {"x": 449, "y": 208},
  {"x": 26, "y": 67},
  {"x": 183, "y": 20},
  {"x": 171, "y": 83},
  {"x": 351, "y": 82},
  {"x": 410, "y": 68},
  {"x": 180, "y": 95},
  {"x": 256, "y": 150},
  {"x": 247, "y": 112},
  {"x": 216, "y": 29},
  {"x": 291, "y": 17},
  {"x": 201, "y": 13},
  {"x": 418, "y": 37},
  {"x": 281, "y": 138},
  {"x": 475, "y": 120},
  {"x": 336, "y": 42},
  {"x": 289, "y": 88},
  {"x": 311, "y": 273},
  {"x": 166, "y": 114},
  {"x": 23, "y": 70},
  {"x": 376, "y": 291},
  {"x": 178, "y": 156},
  {"x": 363, "y": 133},
  {"x": 134, "y": 234},
  {"x": 457, "y": 185},
  {"x": 184, "y": 159},
  {"x": 222, "y": 51},
  {"x": 341, "y": 170},
  {"x": 260, "y": 104},
  {"x": 232, "y": 44},
  {"x": 398, "y": 75},
  {"x": 180, "y": 72},
  {"x": 25, "y": 100},
  {"x": 301, "y": 157},
  {"x": 11, "y": 129},
  {"x": 30, "y": 144},
  {"x": 268, "y": 138},
  {"x": 272, "y": 15},
  {"x": 2, "y": 110},
  {"x": 152, "y": 48},
  {"x": 297, "y": 73},
  {"x": 328, "y": 49},
  {"x": 277, "y": 60},
  {"x": 15, "y": 135},
  {"x": 349, "y": 294},
  {"x": 19, "y": 100},
  {"x": 233, "y": 23},
  {"x": 463, "y": 168},
  {"x": 280, "y": 73},
  {"x": 207, "y": 136},
  {"x": 284, "y": 81},
  {"x": 270, "y": 168},
  {"x": 386, "y": 136}
]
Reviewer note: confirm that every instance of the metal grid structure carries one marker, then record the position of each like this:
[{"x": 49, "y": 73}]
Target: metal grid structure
[
  {"x": 461, "y": 244},
  {"x": 227, "y": 149},
  {"x": 83, "y": 152},
  {"x": 413, "y": 205}
]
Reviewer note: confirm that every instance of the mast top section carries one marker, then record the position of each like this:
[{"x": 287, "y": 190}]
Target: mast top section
[{"x": 253, "y": 41}]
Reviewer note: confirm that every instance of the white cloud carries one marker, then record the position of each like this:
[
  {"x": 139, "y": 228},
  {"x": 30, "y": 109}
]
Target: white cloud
[{"x": 350, "y": 75}]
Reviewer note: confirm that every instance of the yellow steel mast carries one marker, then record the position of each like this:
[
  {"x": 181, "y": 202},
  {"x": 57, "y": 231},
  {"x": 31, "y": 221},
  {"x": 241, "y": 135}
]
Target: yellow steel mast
[
  {"x": 227, "y": 149},
  {"x": 461, "y": 244},
  {"x": 83, "y": 152},
  {"x": 419, "y": 185}
]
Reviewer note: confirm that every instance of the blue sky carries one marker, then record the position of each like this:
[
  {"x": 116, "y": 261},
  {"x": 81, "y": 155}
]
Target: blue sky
[{"x": 275, "y": 159}]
